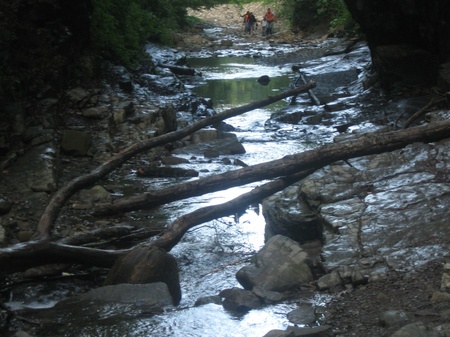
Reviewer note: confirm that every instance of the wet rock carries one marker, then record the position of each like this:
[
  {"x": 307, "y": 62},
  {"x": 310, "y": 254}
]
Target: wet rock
[
  {"x": 226, "y": 43},
  {"x": 445, "y": 283},
  {"x": 207, "y": 300},
  {"x": 77, "y": 95},
  {"x": 171, "y": 160},
  {"x": 267, "y": 272},
  {"x": 304, "y": 314},
  {"x": 22, "y": 334},
  {"x": 95, "y": 113},
  {"x": 37, "y": 168},
  {"x": 329, "y": 281},
  {"x": 211, "y": 153},
  {"x": 294, "y": 331},
  {"x": 76, "y": 143},
  {"x": 144, "y": 265},
  {"x": 5, "y": 205},
  {"x": 240, "y": 300},
  {"x": 124, "y": 79},
  {"x": 122, "y": 111},
  {"x": 291, "y": 217},
  {"x": 415, "y": 330},
  {"x": 264, "y": 80},
  {"x": 150, "y": 294},
  {"x": 279, "y": 333},
  {"x": 362, "y": 201},
  {"x": 95, "y": 194},
  {"x": 271, "y": 296},
  {"x": 222, "y": 142},
  {"x": 393, "y": 317}
]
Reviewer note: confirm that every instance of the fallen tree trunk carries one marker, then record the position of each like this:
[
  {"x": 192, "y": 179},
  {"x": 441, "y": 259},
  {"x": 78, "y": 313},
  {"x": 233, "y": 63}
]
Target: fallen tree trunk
[
  {"x": 369, "y": 144},
  {"x": 180, "y": 226},
  {"x": 295, "y": 167},
  {"x": 41, "y": 252},
  {"x": 58, "y": 200}
]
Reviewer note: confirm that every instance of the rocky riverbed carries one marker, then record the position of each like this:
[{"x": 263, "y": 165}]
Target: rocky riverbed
[{"x": 384, "y": 217}]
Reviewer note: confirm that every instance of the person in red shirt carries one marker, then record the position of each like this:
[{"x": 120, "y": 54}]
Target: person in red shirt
[
  {"x": 247, "y": 22},
  {"x": 269, "y": 17}
]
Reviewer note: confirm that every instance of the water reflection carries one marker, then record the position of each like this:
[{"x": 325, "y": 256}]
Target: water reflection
[{"x": 244, "y": 87}]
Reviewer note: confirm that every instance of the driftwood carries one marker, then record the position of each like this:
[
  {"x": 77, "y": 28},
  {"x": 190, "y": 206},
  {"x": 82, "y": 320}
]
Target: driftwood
[
  {"x": 425, "y": 109},
  {"x": 58, "y": 200},
  {"x": 311, "y": 94},
  {"x": 293, "y": 168},
  {"x": 371, "y": 144},
  {"x": 166, "y": 171}
]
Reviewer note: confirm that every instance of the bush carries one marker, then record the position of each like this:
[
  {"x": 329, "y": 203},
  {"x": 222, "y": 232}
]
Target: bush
[{"x": 306, "y": 13}]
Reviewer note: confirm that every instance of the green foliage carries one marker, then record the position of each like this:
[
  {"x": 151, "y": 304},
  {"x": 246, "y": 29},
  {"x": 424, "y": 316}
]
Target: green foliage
[
  {"x": 307, "y": 13},
  {"x": 341, "y": 18},
  {"x": 119, "y": 28}
]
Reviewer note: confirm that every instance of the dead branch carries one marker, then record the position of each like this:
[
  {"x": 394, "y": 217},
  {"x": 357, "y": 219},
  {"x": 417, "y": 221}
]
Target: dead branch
[
  {"x": 433, "y": 103},
  {"x": 327, "y": 154},
  {"x": 58, "y": 200},
  {"x": 294, "y": 167}
]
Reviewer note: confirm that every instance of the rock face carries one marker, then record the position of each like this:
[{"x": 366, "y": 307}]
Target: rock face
[
  {"x": 408, "y": 39},
  {"x": 387, "y": 208}
]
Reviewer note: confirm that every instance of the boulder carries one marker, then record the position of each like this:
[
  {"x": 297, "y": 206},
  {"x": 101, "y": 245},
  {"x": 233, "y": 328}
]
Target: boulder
[
  {"x": 281, "y": 265},
  {"x": 291, "y": 217},
  {"x": 240, "y": 300},
  {"x": 76, "y": 143},
  {"x": 222, "y": 142},
  {"x": 144, "y": 265}
]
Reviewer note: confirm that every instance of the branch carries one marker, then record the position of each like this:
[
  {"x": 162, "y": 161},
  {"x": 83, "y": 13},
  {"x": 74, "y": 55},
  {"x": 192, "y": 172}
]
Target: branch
[
  {"x": 295, "y": 167},
  {"x": 58, "y": 200},
  {"x": 327, "y": 154},
  {"x": 180, "y": 226}
]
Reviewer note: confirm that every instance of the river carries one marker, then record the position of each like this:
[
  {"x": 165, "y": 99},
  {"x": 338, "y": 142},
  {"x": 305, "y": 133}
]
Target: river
[{"x": 210, "y": 255}]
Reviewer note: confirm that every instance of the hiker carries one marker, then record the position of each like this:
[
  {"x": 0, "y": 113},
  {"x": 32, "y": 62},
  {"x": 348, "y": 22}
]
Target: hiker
[
  {"x": 269, "y": 17},
  {"x": 252, "y": 22},
  {"x": 264, "y": 26},
  {"x": 247, "y": 22}
]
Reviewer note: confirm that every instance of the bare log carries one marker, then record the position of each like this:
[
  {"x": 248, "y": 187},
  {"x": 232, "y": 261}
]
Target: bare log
[
  {"x": 295, "y": 167},
  {"x": 327, "y": 154},
  {"x": 58, "y": 200},
  {"x": 166, "y": 171},
  {"x": 180, "y": 226},
  {"x": 36, "y": 253}
]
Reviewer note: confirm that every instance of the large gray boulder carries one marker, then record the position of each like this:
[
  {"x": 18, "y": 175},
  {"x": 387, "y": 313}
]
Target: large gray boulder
[{"x": 280, "y": 265}]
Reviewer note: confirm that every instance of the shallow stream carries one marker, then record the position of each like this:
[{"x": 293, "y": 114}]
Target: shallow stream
[{"x": 210, "y": 255}]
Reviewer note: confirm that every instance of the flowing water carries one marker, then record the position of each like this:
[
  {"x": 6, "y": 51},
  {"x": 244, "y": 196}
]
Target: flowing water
[{"x": 210, "y": 255}]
